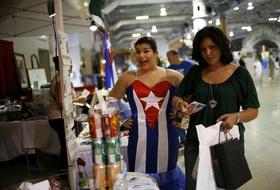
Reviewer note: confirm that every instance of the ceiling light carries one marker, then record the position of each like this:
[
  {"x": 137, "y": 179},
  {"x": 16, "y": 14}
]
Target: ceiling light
[
  {"x": 136, "y": 35},
  {"x": 143, "y": 17},
  {"x": 272, "y": 19},
  {"x": 154, "y": 29},
  {"x": 236, "y": 8},
  {"x": 93, "y": 26},
  {"x": 231, "y": 34},
  {"x": 210, "y": 21},
  {"x": 250, "y": 6},
  {"x": 163, "y": 11},
  {"x": 149, "y": 34},
  {"x": 189, "y": 36},
  {"x": 86, "y": 4},
  {"x": 248, "y": 28},
  {"x": 51, "y": 9},
  {"x": 218, "y": 22}
]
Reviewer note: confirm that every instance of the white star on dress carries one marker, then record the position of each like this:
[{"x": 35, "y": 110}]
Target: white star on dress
[{"x": 151, "y": 100}]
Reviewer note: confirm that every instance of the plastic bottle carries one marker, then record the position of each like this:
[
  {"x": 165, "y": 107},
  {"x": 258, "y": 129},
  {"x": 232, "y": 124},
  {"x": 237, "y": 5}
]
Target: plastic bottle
[
  {"x": 121, "y": 181},
  {"x": 123, "y": 167}
]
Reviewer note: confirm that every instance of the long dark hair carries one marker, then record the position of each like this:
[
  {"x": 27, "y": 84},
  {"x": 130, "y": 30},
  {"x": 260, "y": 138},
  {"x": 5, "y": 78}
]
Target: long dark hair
[{"x": 219, "y": 38}]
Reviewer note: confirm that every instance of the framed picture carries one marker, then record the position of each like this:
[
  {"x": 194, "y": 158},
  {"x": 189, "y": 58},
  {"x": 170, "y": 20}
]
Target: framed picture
[
  {"x": 21, "y": 70},
  {"x": 37, "y": 78}
]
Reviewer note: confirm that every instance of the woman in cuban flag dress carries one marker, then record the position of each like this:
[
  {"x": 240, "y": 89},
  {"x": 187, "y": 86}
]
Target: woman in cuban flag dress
[{"x": 153, "y": 141}]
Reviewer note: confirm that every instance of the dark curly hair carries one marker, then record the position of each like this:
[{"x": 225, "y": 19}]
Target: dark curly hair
[
  {"x": 147, "y": 40},
  {"x": 219, "y": 38}
]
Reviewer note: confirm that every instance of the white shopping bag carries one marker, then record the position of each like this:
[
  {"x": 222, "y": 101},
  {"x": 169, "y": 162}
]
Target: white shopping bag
[{"x": 207, "y": 137}]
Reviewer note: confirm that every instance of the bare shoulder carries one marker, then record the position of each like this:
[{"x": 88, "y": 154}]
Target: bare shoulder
[
  {"x": 127, "y": 77},
  {"x": 118, "y": 91},
  {"x": 174, "y": 77}
]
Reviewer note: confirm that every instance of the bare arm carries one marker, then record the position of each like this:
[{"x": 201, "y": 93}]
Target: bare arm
[
  {"x": 118, "y": 91},
  {"x": 230, "y": 119}
]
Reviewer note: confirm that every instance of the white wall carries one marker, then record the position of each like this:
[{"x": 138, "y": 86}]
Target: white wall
[
  {"x": 28, "y": 46},
  {"x": 74, "y": 52}
]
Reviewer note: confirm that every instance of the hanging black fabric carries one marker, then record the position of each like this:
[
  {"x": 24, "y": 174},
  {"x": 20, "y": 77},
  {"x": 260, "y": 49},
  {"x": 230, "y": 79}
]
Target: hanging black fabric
[{"x": 229, "y": 164}]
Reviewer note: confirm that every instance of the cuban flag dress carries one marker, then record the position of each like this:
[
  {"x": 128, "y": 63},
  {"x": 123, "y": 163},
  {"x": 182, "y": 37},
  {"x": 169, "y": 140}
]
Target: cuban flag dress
[{"x": 153, "y": 142}]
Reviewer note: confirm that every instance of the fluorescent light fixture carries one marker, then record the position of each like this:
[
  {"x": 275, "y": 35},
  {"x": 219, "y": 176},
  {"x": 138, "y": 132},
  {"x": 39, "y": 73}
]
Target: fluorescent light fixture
[
  {"x": 154, "y": 29},
  {"x": 231, "y": 34},
  {"x": 43, "y": 37},
  {"x": 236, "y": 8},
  {"x": 272, "y": 19},
  {"x": 143, "y": 17},
  {"x": 248, "y": 28},
  {"x": 136, "y": 35}
]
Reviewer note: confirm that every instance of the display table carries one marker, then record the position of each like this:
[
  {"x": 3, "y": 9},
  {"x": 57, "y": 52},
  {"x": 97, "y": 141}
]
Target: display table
[
  {"x": 141, "y": 181},
  {"x": 18, "y": 137}
]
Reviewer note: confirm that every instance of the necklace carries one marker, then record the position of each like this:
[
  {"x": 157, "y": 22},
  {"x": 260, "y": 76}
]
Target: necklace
[{"x": 212, "y": 102}]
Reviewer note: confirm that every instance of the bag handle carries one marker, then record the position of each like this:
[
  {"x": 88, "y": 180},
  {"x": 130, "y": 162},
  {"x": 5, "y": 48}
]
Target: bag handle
[{"x": 225, "y": 134}]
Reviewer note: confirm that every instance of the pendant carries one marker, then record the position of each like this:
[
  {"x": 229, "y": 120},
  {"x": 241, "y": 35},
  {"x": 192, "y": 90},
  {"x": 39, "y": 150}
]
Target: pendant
[{"x": 213, "y": 103}]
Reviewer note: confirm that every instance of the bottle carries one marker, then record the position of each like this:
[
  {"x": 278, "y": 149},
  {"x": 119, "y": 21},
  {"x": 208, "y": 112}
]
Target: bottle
[
  {"x": 120, "y": 183},
  {"x": 123, "y": 167}
]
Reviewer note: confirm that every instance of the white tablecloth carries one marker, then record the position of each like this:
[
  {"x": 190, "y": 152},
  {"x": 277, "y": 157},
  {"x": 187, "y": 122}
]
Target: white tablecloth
[{"x": 16, "y": 137}]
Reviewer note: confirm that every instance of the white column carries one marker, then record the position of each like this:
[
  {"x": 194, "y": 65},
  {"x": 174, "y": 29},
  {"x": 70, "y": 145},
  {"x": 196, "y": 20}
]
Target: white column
[{"x": 199, "y": 15}]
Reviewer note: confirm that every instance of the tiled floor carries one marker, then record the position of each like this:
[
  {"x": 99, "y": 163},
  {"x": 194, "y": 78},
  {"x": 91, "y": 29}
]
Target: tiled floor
[{"x": 262, "y": 138}]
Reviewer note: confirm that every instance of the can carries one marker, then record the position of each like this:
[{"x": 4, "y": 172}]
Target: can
[
  {"x": 95, "y": 126},
  {"x": 113, "y": 158},
  {"x": 99, "y": 158},
  {"x": 99, "y": 176},
  {"x": 112, "y": 146},
  {"x": 112, "y": 171},
  {"x": 98, "y": 146},
  {"x": 110, "y": 124}
]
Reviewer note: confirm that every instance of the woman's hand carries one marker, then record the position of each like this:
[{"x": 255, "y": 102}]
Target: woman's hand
[
  {"x": 228, "y": 121},
  {"x": 128, "y": 123},
  {"x": 186, "y": 109}
]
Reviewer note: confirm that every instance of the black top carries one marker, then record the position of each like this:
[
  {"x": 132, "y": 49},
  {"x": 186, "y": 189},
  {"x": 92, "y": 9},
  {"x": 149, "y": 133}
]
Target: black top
[{"x": 237, "y": 92}]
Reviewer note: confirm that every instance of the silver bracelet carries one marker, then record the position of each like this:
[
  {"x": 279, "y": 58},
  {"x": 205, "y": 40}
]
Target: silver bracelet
[{"x": 238, "y": 119}]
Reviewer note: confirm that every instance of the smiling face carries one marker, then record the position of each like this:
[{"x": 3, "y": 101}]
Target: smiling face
[
  {"x": 145, "y": 56},
  {"x": 210, "y": 52}
]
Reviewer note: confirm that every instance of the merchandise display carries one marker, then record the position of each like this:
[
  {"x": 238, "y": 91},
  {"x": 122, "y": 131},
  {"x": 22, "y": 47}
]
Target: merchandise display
[{"x": 104, "y": 130}]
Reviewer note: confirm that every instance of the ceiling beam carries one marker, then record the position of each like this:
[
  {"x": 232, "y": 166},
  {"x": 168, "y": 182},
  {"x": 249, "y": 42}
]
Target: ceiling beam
[
  {"x": 110, "y": 7},
  {"x": 144, "y": 31},
  {"x": 129, "y": 38},
  {"x": 151, "y": 20}
]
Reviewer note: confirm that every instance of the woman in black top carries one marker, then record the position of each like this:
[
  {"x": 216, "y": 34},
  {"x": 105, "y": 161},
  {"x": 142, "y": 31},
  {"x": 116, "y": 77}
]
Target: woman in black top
[{"x": 223, "y": 86}]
